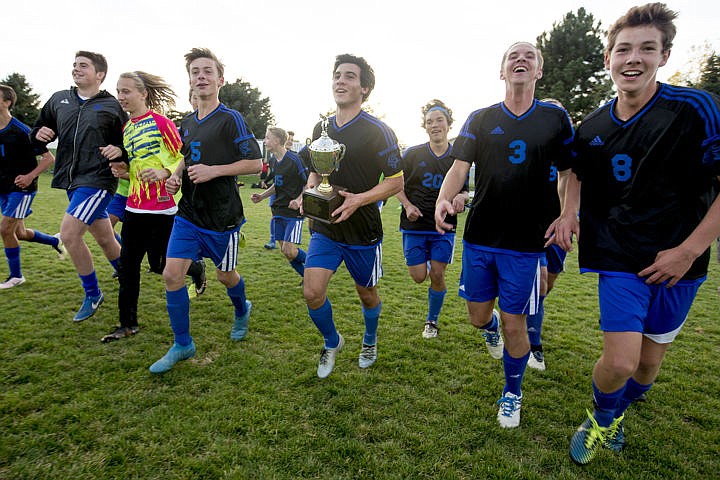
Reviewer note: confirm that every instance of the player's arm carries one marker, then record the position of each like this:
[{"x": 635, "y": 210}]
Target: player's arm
[
  {"x": 452, "y": 185},
  {"x": 561, "y": 231},
  {"x": 46, "y": 160},
  {"x": 201, "y": 173},
  {"x": 670, "y": 265},
  {"x": 45, "y": 129},
  {"x": 411, "y": 211},
  {"x": 259, "y": 197},
  {"x": 387, "y": 188}
]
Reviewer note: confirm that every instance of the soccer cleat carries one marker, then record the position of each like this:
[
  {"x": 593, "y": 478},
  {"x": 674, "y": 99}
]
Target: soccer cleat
[
  {"x": 327, "y": 359},
  {"x": 60, "y": 248},
  {"x": 615, "y": 437},
  {"x": 587, "y": 440},
  {"x": 493, "y": 340},
  {"x": 368, "y": 355},
  {"x": 270, "y": 246},
  {"x": 240, "y": 327},
  {"x": 200, "y": 280},
  {"x": 12, "y": 282},
  {"x": 177, "y": 353},
  {"x": 89, "y": 307},
  {"x": 509, "y": 412},
  {"x": 536, "y": 360},
  {"x": 119, "y": 333},
  {"x": 431, "y": 330}
]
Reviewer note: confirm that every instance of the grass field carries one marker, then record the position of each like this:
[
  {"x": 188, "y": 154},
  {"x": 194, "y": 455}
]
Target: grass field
[{"x": 73, "y": 408}]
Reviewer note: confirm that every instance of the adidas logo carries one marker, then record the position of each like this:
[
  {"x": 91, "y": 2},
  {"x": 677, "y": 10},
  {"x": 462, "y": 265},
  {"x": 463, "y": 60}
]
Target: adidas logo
[
  {"x": 497, "y": 131},
  {"x": 65, "y": 101},
  {"x": 597, "y": 142},
  {"x": 422, "y": 164}
]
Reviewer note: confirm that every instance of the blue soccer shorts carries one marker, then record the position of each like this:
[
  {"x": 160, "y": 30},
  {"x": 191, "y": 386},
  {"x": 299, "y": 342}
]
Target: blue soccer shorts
[
  {"x": 88, "y": 204},
  {"x": 117, "y": 206},
  {"x": 555, "y": 259},
  {"x": 511, "y": 277},
  {"x": 16, "y": 204},
  {"x": 364, "y": 262},
  {"x": 420, "y": 247},
  {"x": 628, "y": 304},
  {"x": 189, "y": 241},
  {"x": 287, "y": 229}
]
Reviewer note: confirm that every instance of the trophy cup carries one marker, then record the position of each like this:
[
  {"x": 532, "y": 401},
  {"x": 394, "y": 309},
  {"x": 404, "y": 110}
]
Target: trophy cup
[{"x": 325, "y": 154}]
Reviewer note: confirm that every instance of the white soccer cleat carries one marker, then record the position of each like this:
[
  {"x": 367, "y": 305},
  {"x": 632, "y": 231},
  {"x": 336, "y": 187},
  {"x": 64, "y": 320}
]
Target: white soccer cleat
[
  {"x": 431, "y": 330},
  {"x": 493, "y": 340},
  {"x": 327, "y": 359},
  {"x": 368, "y": 355},
  {"x": 509, "y": 412},
  {"x": 536, "y": 360},
  {"x": 12, "y": 282}
]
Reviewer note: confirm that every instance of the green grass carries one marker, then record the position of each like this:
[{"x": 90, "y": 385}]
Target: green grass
[{"x": 73, "y": 408}]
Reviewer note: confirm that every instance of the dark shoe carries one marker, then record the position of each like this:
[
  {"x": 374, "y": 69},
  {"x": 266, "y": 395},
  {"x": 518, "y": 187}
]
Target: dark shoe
[
  {"x": 120, "y": 332},
  {"x": 200, "y": 280}
]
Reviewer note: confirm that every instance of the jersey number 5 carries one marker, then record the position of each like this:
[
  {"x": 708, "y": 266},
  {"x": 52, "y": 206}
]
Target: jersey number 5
[{"x": 195, "y": 151}]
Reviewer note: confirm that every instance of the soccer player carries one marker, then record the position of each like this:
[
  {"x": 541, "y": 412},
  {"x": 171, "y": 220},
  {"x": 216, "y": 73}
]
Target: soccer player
[
  {"x": 88, "y": 124},
  {"x": 356, "y": 236},
  {"x": 19, "y": 170},
  {"x": 290, "y": 141},
  {"x": 153, "y": 146},
  {"x": 217, "y": 147},
  {"x": 513, "y": 145},
  {"x": 427, "y": 253},
  {"x": 552, "y": 264},
  {"x": 290, "y": 178},
  {"x": 643, "y": 173}
]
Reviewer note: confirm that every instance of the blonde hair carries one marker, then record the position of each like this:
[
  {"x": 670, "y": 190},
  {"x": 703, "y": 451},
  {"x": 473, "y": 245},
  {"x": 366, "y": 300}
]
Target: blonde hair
[{"x": 160, "y": 97}]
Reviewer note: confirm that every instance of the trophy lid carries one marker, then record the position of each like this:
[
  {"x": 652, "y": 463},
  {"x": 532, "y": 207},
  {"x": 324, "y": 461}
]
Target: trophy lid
[{"x": 325, "y": 143}]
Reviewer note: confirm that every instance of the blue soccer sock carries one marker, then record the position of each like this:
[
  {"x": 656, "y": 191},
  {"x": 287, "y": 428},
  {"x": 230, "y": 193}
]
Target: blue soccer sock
[
  {"x": 435, "y": 303},
  {"x": 237, "y": 297},
  {"x": 605, "y": 405},
  {"x": 534, "y": 324},
  {"x": 118, "y": 238},
  {"x": 514, "y": 371},
  {"x": 298, "y": 263},
  {"x": 13, "y": 259},
  {"x": 90, "y": 284},
  {"x": 492, "y": 325},
  {"x": 272, "y": 229},
  {"x": 44, "y": 238},
  {"x": 372, "y": 317},
  {"x": 632, "y": 391},
  {"x": 115, "y": 263},
  {"x": 178, "y": 308},
  {"x": 323, "y": 320}
]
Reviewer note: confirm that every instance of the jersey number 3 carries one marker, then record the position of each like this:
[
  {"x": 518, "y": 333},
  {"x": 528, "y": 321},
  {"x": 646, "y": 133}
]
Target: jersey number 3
[{"x": 519, "y": 149}]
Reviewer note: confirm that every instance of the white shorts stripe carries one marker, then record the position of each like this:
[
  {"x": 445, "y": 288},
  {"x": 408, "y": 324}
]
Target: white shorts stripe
[
  {"x": 229, "y": 261},
  {"x": 22, "y": 209},
  {"x": 534, "y": 300},
  {"x": 85, "y": 211}
]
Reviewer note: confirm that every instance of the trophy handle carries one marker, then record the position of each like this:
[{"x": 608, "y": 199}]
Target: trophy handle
[{"x": 342, "y": 153}]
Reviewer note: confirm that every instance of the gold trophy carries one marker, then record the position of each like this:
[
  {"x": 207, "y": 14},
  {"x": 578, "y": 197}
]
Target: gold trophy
[{"x": 325, "y": 154}]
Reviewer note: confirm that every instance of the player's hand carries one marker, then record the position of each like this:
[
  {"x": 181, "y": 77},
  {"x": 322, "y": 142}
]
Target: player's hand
[
  {"x": 458, "y": 203},
  {"x": 111, "y": 152},
  {"x": 349, "y": 206},
  {"x": 443, "y": 208},
  {"x": 45, "y": 134},
  {"x": 24, "y": 181},
  {"x": 201, "y": 173},
  {"x": 561, "y": 231},
  {"x": 172, "y": 185},
  {"x": 118, "y": 169},
  {"x": 296, "y": 204},
  {"x": 255, "y": 197},
  {"x": 670, "y": 265},
  {"x": 412, "y": 212},
  {"x": 150, "y": 175}
]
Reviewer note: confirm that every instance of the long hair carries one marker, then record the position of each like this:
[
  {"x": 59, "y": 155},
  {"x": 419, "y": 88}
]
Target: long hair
[{"x": 160, "y": 97}]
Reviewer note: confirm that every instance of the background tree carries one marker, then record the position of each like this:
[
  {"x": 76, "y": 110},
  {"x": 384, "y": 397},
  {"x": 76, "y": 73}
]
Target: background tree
[
  {"x": 710, "y": 74},
  {"x": 248, "y": 100},
  {"x": 574, "y": 72},
  {"x": 27, "y": 107}
]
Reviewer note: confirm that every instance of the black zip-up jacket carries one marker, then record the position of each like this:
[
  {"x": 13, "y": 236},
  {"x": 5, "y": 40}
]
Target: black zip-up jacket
[{"x": 81, "y": 129}]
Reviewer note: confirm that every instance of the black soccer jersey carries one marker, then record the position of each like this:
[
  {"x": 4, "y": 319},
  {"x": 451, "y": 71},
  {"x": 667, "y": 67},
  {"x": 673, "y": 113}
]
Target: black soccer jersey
[
  {"x": 371, "y": 150},
  {"x": 513, "y": 157},
  {"x": 17, "y": 156},
  {"x": 290, "y": 177},
  {"x": 221, "y": 138},
  {"x": 648, "y": 181},
  {"x": 423, "y": 173}
]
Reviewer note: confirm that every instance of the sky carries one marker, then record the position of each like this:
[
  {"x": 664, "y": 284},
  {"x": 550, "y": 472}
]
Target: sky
[{"x": 419, "y": 49}]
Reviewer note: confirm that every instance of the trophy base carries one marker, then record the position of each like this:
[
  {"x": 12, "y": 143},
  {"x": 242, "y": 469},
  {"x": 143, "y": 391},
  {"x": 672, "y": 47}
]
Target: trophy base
[{"x": 319, "y": 206}]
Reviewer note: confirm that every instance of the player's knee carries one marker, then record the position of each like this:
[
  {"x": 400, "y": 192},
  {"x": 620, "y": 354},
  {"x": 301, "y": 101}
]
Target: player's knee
[
  {"x": 229, "y": 279},
  {"x": 314, "y": 297},
  {"x": 418, "y": 276},
  {"x": 621, "y": 366},
  {"x": 173, "y": 277}
]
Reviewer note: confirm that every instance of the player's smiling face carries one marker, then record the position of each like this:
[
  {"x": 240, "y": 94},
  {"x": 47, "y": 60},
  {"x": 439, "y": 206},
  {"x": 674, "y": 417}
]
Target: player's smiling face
[
  {"x": 346, "y": 85},
  {"x": 521, "y": 64},
  {"x": 436, "y": 126},
  {"x": 84, "y": 73},
  {"x": 130, "y": 98},
  {"x": 204, "y": 79},
  {"x": 634, "y": 60}
]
